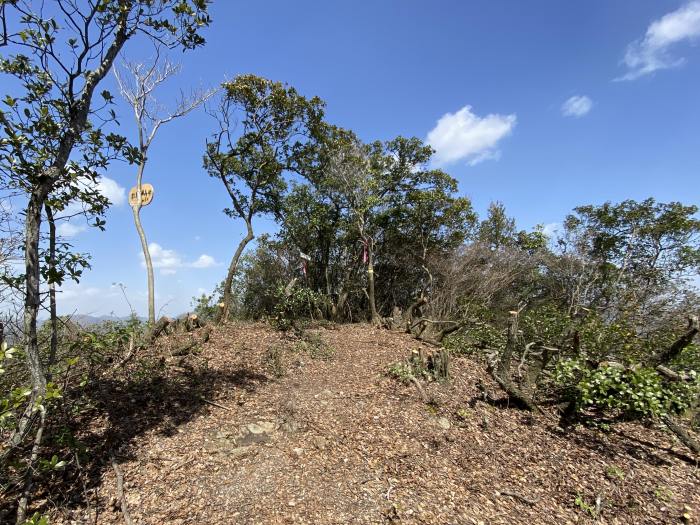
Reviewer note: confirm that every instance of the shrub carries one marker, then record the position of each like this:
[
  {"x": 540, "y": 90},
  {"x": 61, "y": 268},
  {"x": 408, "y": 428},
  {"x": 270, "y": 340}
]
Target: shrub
[
  {"x": 628, "y": 392},
  {"x": 296, "y": 307}
]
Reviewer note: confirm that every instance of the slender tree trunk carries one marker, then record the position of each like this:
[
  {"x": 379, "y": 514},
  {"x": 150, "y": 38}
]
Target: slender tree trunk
[
  {"x": 52, "y": 289},
  {"x": 29, "y": 474},
  {"x": 232, "y": 270},
  {"x": 32, "y": 230},
  {"x": 32, "y": 297},
  {"x": 375, "y": 319},
  {"x": 149, "y": 264},
  {"x": 136, "y": 209}
]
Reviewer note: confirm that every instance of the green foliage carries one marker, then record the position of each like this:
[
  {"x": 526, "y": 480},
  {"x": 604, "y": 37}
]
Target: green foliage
[
  {"x": 615, "y": 473},
  {"x": 638, "y": 247},
  {"x": 546, "y": 325},
  {"x": 274, "y": 358},
  {"x": 403, "y": 371},
  {"x": 274, "y": 127},
  {"x": 37, "y": 519},
  {"x": 6, "y": 353},
  {"x": 314, "y": 345},
  {"x": 205, "y": 307},
  {"x": 663, "y": 493},
  {"x": 482, "y": 334},
  {"x": 415, "y": 367},
  {"x": 52, "y": 464},
  {"x": 293, "y": 309},
  {"x": 628, "y": 392},
  {"x": 497, "y": 230},
  {"x": 586, "y": 507}
]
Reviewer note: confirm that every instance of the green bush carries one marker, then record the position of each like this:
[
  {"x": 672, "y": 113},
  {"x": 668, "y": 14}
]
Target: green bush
[
  {"x": 293, "y": 309},
  {"x": 629, "y": 392}
]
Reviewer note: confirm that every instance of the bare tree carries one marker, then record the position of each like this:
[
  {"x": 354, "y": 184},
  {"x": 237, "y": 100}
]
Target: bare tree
[{"x": 137, "y": 84}]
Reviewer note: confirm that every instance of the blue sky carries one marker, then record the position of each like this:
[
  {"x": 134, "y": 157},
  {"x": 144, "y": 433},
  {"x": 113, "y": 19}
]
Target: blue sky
[{"x": 543, "y": 105}]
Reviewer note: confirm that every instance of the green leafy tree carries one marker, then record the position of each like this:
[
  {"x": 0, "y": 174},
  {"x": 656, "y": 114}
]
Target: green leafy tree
[
  {"x": 53, "y": 137},
  {"x": 497, "y": 230},
  {"x": 640, "y": 253},
  {"x": 266, "y": 129}
]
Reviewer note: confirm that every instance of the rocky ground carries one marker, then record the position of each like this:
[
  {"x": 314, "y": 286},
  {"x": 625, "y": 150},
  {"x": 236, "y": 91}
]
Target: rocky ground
[{"x": 258, "y": 428}]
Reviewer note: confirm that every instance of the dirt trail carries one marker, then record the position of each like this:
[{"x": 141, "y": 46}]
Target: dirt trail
[{"x": 337, "y": 441}]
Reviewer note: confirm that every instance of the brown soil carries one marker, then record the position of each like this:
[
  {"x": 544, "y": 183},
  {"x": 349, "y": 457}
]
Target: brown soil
[{"x": 336, "y": 440}]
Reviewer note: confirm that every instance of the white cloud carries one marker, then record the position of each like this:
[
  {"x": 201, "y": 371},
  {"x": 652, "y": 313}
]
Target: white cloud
[
  {"x": 79, "y": 291},
  {"x": 551, "y": 229},
  {"x": 169, "y": 261},
  {"x": 107, "y": 187},
  {"x": 576, "y": 106},
  {"x": 68, "y": 229},
  {"x": 651, "y": 53},
  {"x": 112, "y": 190},
  {"x": 204, "y": 261},
  {"x": 466, "y": 136}
]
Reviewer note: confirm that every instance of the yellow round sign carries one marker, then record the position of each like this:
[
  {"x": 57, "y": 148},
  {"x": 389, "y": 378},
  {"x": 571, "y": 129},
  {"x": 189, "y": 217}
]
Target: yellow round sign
[{"x": 146, "y": 195}]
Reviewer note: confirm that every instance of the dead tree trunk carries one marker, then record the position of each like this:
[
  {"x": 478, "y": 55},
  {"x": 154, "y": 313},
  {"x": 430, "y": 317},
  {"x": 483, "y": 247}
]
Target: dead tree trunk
[
  {"x": 682, "y": 434},
  {"x": 412, "y": 310},
  {"x": 136, "y": 209},
  {"x": 664, "y": 356},
  {"x": 439, "y": 364},
  {"x": 501, "y": 371},
  {"x": 155, "y": 330}
]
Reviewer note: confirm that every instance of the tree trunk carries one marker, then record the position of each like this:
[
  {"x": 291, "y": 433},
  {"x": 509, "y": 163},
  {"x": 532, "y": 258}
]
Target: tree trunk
[
  {"x": 664, "y": 356},
  {"x": 149, "y": 263},
  {"x": 136, "y": 209},
  {"x": 501, "y": 373},
  {"x": 374, "y": 316},
  {"x": 32, "y": 297},
  {"x": 29, "y": 474},
  {"x": 682, "y": 434},
  {"x": 232, "y": 270},
  {"x": 32, "y": 300},
  {"x": 52, "y": 289}
]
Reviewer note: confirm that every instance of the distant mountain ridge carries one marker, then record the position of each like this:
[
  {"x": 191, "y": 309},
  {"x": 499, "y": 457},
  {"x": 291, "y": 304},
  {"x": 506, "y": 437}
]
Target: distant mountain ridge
[{"x": 89, "y": 320}]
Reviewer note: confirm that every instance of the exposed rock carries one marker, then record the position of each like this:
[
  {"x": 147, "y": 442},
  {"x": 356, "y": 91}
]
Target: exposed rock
[
  {"x": 320, "y": 442},
  {"x": 261, "y": 427},
  {"x": 253, "y": 433},
  {"x": 443, "y": 422}
]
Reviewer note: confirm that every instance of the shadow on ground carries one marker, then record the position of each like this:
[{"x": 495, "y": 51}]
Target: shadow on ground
[{"x": 122, "y": 409}]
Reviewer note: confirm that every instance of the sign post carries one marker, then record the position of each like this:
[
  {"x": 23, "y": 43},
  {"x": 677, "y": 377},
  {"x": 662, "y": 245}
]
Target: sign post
[{"x": 146, "y": 195}]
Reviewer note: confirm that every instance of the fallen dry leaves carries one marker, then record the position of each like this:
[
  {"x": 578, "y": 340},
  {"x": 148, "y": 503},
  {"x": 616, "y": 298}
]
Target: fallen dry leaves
[{"x": 340, "y": 442}]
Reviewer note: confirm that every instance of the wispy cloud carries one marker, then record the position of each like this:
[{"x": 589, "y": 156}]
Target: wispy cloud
[
  {"x": 464, "y": 136},
  {"x": 72, "y": 214},
  {"x": 204, "y": 261},
  {"x": 69, "y": 229},
  {"x": 576, "y": 106},
  {"x": 112, "y": 190},
  {"x": 552, "y": 229},
  {"x": 652, "y": 52},
  {"x": 169, "y": 261}
]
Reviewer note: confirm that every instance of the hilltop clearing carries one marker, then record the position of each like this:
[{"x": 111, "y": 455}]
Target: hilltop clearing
[{"x": 216, "y": 436}]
